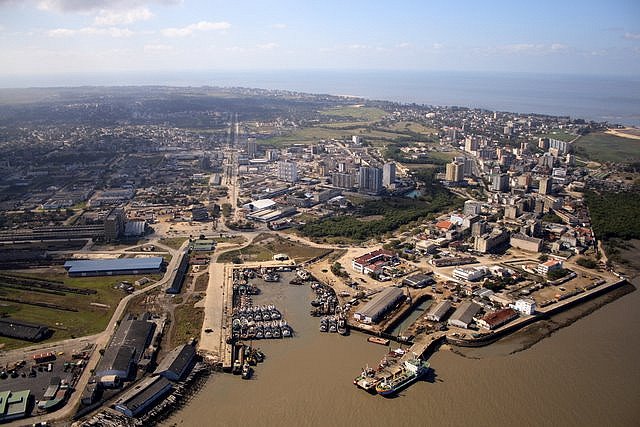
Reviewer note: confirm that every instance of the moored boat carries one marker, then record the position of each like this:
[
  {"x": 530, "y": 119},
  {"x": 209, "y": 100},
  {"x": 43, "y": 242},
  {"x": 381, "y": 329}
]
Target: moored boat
[
  {"x": 246, "y": 371},
  {"x": 378, "y": 340},
  {"x": 367, "y": 380},
  {"x": 410, "y": 372}
]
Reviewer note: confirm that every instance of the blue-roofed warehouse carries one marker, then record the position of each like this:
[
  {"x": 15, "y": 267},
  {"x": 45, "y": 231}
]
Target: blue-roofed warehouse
[{"x": 112, "y": 267}]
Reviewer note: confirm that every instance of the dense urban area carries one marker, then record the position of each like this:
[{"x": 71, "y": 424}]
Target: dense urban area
[{"x": 138, "y": 226}]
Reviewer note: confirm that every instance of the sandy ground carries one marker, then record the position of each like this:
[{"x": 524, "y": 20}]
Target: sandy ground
[{"x": 629, "y": 133}]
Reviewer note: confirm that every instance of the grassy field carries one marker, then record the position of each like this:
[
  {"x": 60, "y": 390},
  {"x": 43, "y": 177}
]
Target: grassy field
[
  {"x": 66, "y": 324},
  {"x": 201, "y": 283},
  {"x": 317, "y": 133},
  {"x": 187, "y": 323},
  {"x": 370, "y": 114},
  {"x": 558, "y": 134},
  {"x": 412, "y": 127},
  {"x": 443, "y": 155},
  {"x": 601, "y": 147},
  {"x": 173, "y": 242},
  {"x": 265, "y": 246},
  {"x": 238, "y": 240}
]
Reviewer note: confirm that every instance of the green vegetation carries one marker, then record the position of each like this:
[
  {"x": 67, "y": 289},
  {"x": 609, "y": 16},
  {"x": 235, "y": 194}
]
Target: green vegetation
[
  {"x": 498, "y": 283},
  {"x": 265, "y": 246},
  {"x": 187, "y": 322},
  {"x": 602, "y": 147},
  {"x": 395, "y": 212},
  {"x": 586, "y": 262},
  {"x": 393, "y": 152},
  {"x": 615, "y": 215},
  {"x": 338, "y": 271},
  {"x": 87, "y": 320},
  {"x": 558, "y": 134},
  {"x": 340, "y": 131},
  {"x": 371, "y": 114},
  {"x": 552, "y": 217},
  {"x": 226, "y": 210},
  {"x": 557, "y": 274},
  {"x": 238, "y": 240},
  {"x": 173, "y": 242}
]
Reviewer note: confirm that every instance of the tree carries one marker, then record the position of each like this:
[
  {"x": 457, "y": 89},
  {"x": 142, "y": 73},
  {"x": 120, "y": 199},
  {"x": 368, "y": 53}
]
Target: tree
[
  {"x": 557, "y": 274},
  {"x": 586, "y": 262}
]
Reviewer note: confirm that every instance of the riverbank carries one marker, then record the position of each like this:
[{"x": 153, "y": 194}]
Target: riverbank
[
  {"x": 532, "y": 334},
  {"x": 583, "y": 374}
]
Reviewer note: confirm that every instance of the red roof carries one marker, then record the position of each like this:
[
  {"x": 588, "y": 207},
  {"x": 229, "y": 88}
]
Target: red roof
[
  {"x": 445, "y": 225},
  {"x": 367, "y": 259},
  {"x": 499, "y": 317}
]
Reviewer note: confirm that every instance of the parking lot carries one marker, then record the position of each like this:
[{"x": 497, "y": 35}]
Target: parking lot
[{"x": 37, "y": 376}]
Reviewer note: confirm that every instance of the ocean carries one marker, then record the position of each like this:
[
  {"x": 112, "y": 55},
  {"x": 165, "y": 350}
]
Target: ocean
[{"x": 615, "y": 99}]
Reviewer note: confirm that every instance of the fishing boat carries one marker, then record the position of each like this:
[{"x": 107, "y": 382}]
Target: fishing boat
[
  {"x": 333, "y": 325},
  {"x": 237, "y": 367},
  {"x": 324, "y": 325},
  {"x": 410, "y": 372},
  {"x": 342, "y": 326},
  {"x": 246, "y": 371},
  {"x": 277, "y": 332},
  {"x": 367, "y": 380}
]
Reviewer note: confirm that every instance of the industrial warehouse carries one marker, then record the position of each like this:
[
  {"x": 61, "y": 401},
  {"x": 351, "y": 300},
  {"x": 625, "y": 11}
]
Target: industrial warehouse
[
  {"x": 382, "y": 303},
  {"x": 125, "y": 351},
  {"x": 17, "y": 329},
  {"x": 463, "y": 316},
  {"x": 112, "y": 267}
]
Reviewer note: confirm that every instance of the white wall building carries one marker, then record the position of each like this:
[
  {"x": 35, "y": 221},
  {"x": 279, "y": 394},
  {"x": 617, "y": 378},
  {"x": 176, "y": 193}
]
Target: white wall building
[
  {"x": 525, "y": 306},
  {"x": 287, "y": 171}
]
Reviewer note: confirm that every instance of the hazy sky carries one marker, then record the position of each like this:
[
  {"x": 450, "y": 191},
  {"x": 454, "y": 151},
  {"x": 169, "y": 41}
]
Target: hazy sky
[{"x": 567, "y": 36}]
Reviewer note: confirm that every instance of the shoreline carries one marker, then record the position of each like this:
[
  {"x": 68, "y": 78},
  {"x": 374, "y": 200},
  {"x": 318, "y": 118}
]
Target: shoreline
[{"x": 531, "y": 334}]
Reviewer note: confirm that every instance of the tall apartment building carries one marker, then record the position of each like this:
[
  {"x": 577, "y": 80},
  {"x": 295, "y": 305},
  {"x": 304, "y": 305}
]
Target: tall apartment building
[
  {"x": 370, "y": 180},
  {"x": 472, "y": 207},
  {"x": 563, "y": 147},
  {"x": 455, "y": 171},
  {"x": 471, "y": 144},
  {"x": 388, "y": 174},
  {"x": 545, "y": 186},
  {"x": 252, "y": 148},
  {"x": 343, "y": 180},
  {"x": 500, "y": 182},
  {"x": 287, "y": 171}
]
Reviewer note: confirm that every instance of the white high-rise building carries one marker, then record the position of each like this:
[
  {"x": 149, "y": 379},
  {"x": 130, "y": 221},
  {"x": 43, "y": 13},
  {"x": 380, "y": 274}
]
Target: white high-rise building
[{"x": 287, "y": 171}]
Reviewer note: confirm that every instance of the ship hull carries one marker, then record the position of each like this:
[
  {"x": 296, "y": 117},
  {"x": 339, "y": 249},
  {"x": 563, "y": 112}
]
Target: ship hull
[{"x": 383, "y": 390}]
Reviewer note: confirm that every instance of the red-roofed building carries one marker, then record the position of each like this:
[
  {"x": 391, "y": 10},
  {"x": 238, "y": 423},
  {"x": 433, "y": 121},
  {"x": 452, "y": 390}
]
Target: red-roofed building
[
  {"x": 444, "y": 225},
  {"x": 497, "y": 318},
  {"x": 547, "y": 266},
  {"x": 372, "y": 261}
]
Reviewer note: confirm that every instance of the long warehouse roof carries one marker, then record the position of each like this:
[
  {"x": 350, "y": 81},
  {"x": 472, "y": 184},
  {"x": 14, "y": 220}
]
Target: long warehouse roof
[{"x": 80, "y": 266}]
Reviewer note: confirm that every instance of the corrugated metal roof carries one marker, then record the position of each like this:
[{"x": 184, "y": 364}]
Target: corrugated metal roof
[
  {"x": 381, "y": 301},
  {"x": 465, "y": 312},
  {"x": 81, "y": 266}
]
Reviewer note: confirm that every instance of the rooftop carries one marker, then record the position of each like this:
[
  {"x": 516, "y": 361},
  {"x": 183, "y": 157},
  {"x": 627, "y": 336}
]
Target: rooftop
[{"x": 82, "y": 266}]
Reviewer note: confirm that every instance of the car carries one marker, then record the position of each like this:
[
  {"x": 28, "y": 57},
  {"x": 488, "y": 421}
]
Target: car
[{"x": 208, "y": 330}]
